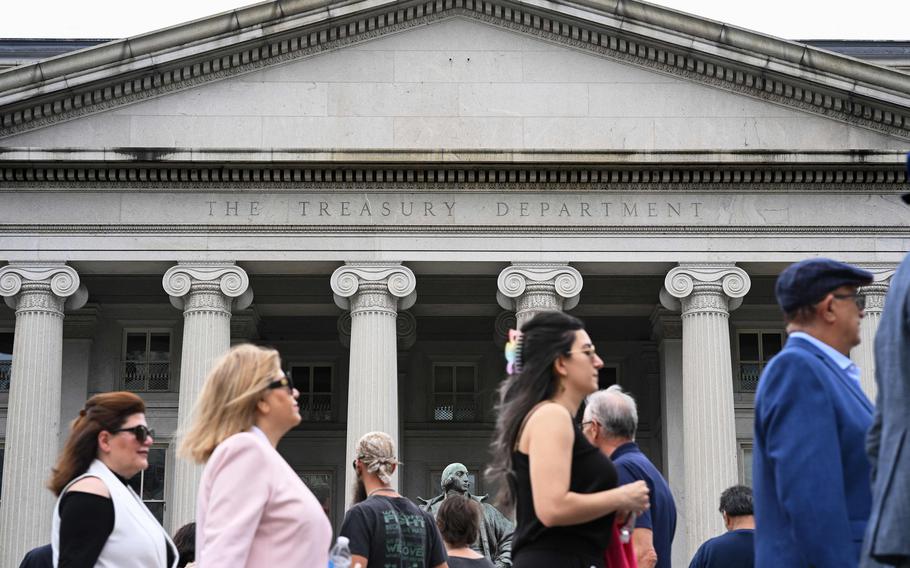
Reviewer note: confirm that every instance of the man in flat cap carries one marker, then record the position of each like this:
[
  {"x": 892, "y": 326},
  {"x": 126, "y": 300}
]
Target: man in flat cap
[{"x": 810, "y": 471}]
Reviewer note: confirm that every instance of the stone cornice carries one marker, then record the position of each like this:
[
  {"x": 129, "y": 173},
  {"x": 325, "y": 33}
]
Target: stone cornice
[
  {"x": 410, "y": 230},
  {"x": 178, "y": 58},
  {"x": 466, "y": 170}
]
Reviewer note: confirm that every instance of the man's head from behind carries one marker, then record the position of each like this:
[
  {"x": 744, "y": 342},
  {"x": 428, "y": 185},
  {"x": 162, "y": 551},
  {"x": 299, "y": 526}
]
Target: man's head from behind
[
  {"x": 820, "y": 297},
  {"x": 610, "y": 415},
  {"x": 736, "y": 506}
]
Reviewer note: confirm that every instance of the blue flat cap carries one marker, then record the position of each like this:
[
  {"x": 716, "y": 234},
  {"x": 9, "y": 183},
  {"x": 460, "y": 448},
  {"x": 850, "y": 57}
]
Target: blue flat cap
[{"x": 808, "y": 281}]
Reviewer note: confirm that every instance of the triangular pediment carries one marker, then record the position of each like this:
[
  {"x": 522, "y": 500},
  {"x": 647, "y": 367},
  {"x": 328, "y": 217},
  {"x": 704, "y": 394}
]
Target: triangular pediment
[{"x": 455, "y": 74}]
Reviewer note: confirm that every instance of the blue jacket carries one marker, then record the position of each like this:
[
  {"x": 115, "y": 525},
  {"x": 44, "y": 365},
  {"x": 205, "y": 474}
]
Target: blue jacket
[
  {"x": 888, "y": 537},
  {"x": 810, "y": 471}
]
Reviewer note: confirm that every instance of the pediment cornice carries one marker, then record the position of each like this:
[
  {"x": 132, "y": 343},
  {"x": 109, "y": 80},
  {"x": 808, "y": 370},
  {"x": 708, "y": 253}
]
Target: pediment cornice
[
  {"x": 136, "y": 69},
  {"x": 176, "y": 170}
]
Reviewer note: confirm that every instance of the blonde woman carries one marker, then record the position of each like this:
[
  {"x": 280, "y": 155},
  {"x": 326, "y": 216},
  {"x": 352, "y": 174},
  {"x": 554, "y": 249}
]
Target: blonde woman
[{"x": 252, "y": 509}]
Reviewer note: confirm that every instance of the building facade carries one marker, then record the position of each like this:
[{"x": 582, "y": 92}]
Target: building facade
[{"x": 381, "y": 190}]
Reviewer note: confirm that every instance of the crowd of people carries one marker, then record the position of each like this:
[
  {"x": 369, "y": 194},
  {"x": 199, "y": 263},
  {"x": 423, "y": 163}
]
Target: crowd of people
[{"x": 830, "y": 470}]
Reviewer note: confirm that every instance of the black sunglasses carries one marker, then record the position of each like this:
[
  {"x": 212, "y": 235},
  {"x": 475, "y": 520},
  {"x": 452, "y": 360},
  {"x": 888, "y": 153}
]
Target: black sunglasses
[
  {"x": 141, "y": 432},
  {"x": 284, "y": 382}
]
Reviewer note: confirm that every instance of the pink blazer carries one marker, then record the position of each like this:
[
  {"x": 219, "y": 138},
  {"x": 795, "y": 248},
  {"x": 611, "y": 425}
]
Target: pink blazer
[{"x": 254, "y": 511}]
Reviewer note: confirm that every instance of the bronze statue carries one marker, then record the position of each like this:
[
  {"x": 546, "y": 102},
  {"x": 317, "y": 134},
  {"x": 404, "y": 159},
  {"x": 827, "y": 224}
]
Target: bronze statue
[{"x": 495, "y": 539}]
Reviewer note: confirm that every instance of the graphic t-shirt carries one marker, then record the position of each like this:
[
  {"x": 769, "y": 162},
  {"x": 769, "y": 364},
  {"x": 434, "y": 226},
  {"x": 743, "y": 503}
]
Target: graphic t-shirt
[{"x": 391, "y": 532}]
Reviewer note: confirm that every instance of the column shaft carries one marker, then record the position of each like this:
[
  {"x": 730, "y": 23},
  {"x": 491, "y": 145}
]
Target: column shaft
[
  {"x": 374, "y": 293},
  {"x": 206, "y": 336},
  {"x": 706, "y": 293},
  {"x": 206, "y": 292},
  {"x": 709, "y": 426},
  {"x": 33, "y": 423}
]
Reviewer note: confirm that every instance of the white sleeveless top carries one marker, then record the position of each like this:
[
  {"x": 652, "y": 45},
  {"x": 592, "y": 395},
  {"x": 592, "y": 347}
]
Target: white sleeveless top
[{"x": 137, "y": 538}]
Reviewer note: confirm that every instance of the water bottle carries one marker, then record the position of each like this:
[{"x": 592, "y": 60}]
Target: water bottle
[{"x": 340, "y": 555}]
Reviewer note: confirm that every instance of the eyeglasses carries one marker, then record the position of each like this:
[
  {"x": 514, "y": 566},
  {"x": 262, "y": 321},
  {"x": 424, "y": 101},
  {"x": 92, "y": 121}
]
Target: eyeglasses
[
  {"x": 589, "y": 351},
  {"x": 583, "y": 424},
  {"x": 858, "y": 299},
  {"x": 284, "y": 382},
  {"x": 141, "y": 432}
]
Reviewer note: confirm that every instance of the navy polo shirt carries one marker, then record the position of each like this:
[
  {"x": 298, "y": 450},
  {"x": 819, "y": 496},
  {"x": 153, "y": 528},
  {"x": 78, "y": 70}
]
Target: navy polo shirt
[
  {"x": 733, "y": 549},
  {"x": 632, "y": 465}
]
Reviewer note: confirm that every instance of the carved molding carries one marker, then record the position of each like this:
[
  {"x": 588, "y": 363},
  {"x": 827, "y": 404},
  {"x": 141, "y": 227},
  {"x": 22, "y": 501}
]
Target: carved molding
[
  {"x": 708, "y": 67},
  {"x": 560, "y": 281},
  {"x": 41, "y": 286},
  {"x": 703, "y": 287},
  {"x": 653, "y": 176},
  {"x": 505, "y": 321},
  {"x": 382, "y": 286},
  {"x": 344, "y": 329},
  {"x": 600, "y": 230},
  {"x": 217, "y": 286},
  {"x": 876, "y": 291},
  {"x": 406, "y": 330}
]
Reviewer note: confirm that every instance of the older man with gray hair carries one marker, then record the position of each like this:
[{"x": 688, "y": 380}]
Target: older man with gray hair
[{"x": 610, "y": 423}]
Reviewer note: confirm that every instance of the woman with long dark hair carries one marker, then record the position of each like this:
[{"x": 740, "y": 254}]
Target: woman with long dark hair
[
  {"x": 99, "y": 520},
  {"x": 563, "y": 489}
]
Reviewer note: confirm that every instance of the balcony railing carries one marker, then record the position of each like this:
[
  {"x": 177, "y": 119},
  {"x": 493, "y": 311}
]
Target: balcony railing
[
  {"x": 143, "y": 376},
  {"x": 6, "y": 373}
]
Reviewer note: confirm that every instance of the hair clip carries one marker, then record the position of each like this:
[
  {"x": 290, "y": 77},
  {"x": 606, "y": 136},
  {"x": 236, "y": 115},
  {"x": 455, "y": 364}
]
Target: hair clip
[{"x": 513, "y": 352}]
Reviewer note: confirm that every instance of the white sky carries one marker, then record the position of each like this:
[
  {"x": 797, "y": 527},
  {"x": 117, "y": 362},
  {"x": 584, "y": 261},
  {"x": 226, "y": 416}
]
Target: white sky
[{"x": 791, "y": 19}]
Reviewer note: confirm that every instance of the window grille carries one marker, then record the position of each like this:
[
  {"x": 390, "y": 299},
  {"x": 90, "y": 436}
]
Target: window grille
[
  {"x": 146, "y": 364},
  {"x": 455, "y": 392},
  {"x": 149, "y": 484},
  {"x": 755, "y": 349},
  {"x": 314, "y": 382},
  {"x": 6, "y": 361}
]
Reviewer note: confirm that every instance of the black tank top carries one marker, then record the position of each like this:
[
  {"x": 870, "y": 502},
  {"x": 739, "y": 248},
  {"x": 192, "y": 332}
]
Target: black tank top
[{"x": 591, "y": 472}]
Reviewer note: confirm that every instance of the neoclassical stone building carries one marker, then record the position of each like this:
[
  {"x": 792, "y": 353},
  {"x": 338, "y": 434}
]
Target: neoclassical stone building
[{"x": 381, "y": 189}]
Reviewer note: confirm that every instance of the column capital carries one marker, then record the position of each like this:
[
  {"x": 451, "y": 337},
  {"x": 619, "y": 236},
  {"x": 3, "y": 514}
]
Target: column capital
[
  {"x": 59, "y": 283},
  {"x": 224, "y": 277},
  {"x": 562, "y": 280},
  {"x": 876, "y": 291},
  {"x": 384, "y": 286},
  {"x": 704, "y": 286},
  {"x": 504, "y": 321}
]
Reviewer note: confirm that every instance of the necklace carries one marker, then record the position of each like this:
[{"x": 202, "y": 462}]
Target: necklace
[{"x": 370, "y": 494}]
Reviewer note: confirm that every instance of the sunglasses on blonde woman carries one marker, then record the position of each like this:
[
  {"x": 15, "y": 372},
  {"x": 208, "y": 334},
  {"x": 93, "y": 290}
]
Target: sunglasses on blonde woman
[{"x": 284, "y": 382}]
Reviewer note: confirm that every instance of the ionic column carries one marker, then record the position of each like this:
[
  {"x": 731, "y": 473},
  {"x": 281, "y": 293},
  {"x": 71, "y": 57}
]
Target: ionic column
[
  {"x": 38, "y": 291},
  {"x": 864, "y": 353},
  {"x": 206, "y": 292},
  {"x": 531, "y": 288},
  {"x": 706, "y": 293},
  {"x": 374, "y": 292}
]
